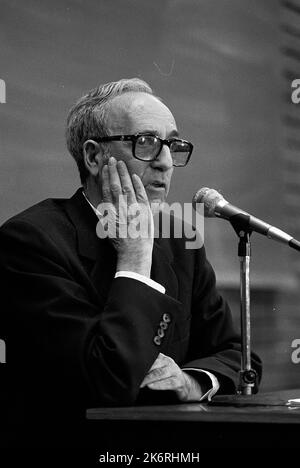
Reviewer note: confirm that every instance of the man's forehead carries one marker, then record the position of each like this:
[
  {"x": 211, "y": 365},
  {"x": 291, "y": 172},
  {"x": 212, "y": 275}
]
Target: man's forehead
[{"x": 128, "y": 107}]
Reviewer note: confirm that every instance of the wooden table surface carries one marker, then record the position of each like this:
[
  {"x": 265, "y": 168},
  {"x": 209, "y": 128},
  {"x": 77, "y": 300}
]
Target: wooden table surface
[
  {"x": 262, "y": 408},
  {"x": 264, "y": 421}
]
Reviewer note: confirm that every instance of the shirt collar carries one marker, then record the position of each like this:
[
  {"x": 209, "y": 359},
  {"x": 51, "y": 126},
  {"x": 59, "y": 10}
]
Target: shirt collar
[{"x": 97, "y": 212}]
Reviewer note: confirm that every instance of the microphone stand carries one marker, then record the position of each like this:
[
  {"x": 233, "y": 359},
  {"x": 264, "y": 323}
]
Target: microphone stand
[{"x": 247, "y": 375}]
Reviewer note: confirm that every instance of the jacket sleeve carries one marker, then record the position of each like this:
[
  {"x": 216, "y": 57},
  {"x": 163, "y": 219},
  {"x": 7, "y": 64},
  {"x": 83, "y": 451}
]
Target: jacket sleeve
[
  {"x": 64, "y": 344},
  {"x": 215, "y": 345}
]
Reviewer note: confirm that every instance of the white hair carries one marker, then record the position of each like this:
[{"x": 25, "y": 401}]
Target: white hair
[{"x": 87, "y": 117}]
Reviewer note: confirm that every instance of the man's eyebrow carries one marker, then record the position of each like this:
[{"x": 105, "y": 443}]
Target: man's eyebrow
[{"x": 174, "y": 133}]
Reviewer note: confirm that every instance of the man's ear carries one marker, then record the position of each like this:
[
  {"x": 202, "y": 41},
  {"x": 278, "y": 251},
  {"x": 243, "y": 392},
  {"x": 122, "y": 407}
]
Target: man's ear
[{"x": 92, "y": 154}]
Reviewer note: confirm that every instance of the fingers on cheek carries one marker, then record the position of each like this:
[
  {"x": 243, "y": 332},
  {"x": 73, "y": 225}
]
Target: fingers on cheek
[
  {"x": 105, "y": 176},
  {"x": 115, "y": 191},
  {"x": 138, "y": 186},
  {"x": 114, "y": 179}
]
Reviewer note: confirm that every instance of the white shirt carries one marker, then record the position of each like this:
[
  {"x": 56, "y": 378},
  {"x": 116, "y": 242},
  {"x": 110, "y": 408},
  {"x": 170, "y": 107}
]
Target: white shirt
[{"x": 153, "y": 284}]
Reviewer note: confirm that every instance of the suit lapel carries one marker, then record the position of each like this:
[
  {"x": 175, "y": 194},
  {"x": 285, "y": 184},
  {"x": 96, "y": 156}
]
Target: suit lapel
[
  {"x": 99, "y": 256},
  {"x": 104, "y": 268},
  {"x": 85, "y": 221},
  {"x": 93, "y": 252},
  {"x": 162, "y": 270}
]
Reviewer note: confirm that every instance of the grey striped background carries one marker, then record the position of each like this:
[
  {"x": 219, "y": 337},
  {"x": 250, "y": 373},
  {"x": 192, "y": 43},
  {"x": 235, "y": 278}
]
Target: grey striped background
[{"x": 224, "y": 67}]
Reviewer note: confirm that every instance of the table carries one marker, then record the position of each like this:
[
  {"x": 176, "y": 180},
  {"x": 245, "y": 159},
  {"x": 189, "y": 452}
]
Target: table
[{"x": 265, "y": 422}]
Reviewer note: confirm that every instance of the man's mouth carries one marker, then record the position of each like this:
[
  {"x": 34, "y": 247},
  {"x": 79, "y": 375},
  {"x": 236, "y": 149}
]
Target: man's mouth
[{"x": 157, "y": 184}]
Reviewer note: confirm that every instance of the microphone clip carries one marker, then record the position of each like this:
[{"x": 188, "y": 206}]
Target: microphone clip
[{"x": 241, "y": 225}]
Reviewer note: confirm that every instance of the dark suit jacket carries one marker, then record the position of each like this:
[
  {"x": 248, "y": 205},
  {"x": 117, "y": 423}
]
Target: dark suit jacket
[{"x": 76, "y": 337}]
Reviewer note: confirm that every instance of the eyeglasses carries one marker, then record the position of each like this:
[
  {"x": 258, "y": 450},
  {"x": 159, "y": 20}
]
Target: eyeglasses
[{"x": 148, "y": 147}]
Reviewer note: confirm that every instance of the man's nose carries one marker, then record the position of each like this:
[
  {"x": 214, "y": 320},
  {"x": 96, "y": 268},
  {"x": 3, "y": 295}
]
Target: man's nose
[{"x": 164, "y": 161}]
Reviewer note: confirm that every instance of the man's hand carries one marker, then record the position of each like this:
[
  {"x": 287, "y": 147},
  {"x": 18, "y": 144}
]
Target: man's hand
[
  {"x": 131, "y": 217},
  {"x": 165, "y": 374}
]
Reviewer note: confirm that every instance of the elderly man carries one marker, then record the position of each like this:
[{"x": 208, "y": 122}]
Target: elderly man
[{"x": 121, "y": 320}]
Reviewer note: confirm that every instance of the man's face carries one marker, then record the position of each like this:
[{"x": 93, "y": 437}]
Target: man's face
[{"x": 133, "y": 113}]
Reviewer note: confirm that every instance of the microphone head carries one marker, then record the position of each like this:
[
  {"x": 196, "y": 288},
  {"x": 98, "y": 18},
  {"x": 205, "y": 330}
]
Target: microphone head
[{"x": 210, "y": 198}]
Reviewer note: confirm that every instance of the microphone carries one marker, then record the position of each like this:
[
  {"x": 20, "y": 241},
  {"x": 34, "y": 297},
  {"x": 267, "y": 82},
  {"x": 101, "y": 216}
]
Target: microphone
[{"x": 216, "y": 205}]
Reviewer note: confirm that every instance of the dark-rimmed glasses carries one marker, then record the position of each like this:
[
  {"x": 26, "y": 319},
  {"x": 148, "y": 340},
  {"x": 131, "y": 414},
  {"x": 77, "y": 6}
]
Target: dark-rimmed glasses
[{"x": 148, "y": 147}]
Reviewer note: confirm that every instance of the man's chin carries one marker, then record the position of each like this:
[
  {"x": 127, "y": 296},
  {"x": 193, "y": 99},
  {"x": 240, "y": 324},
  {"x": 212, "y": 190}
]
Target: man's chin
[
  {"x": 156, "y": 194},
  {"x": 156, "y": 203}
]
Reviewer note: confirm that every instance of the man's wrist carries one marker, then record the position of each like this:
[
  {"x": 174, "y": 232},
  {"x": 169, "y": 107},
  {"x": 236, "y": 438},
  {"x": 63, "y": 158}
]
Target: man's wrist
[
  {"x": 194, "y": 387},
  {"x": 208, "y": 381},
  {"x": 136, "y": 265},
  {"x": 143, "y": 279}
]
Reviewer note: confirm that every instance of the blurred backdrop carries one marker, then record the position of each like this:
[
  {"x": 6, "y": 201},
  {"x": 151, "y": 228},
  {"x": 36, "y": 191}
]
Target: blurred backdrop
[{"x": 224, "y": 67}]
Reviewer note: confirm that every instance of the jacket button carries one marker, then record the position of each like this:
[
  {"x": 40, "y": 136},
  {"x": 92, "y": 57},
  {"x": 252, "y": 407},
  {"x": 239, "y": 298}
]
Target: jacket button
[
  {"x": 166, "y": 318},
  {"x": 157, "y": 340},
  {"x": 160, "y": 333},
  {"x": 163, "y": 325}
]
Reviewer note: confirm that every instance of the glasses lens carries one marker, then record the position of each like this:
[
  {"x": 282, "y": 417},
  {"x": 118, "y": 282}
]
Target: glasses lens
[
  {"x": 180, "y": 151},
  {"x": 147, "y": 147}
]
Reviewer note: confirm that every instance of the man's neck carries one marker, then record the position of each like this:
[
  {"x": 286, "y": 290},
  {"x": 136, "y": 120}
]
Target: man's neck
[{"x": 92, "y": 193}]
